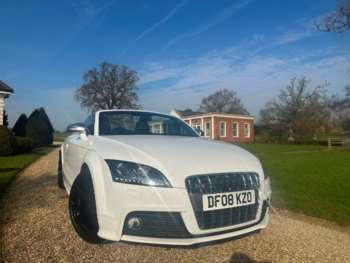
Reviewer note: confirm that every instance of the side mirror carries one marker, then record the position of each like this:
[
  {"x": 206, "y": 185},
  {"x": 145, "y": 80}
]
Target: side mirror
[
  {"x": 78, "y": 128},
  {"x": 199, "y": 131}
]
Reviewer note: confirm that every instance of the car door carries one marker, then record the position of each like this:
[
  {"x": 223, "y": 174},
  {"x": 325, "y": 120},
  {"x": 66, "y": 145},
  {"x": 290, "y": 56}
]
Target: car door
[
  {"x": 74, "y": 153},
  {"x": 75, "y": 149}
]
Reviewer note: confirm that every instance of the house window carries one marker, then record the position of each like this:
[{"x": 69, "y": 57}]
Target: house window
[
  {"x": 246, "y": 130},
  {"x": 197, "y": 127},
  {"x": 222, "y": 129},
  {"x": 235, "y": 129},
  {"x": 207, "y": 130},
  {"x": 156, "y": 128}
]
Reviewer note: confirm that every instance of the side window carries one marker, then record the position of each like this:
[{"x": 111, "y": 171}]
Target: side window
[
  {"x": 90, "y": 124},
  {"x": 246, "y": 130},
  {"x": 207, "y": 130},
  {"x": 235, "y": 129},
  {"x": 222, "y": 129}
]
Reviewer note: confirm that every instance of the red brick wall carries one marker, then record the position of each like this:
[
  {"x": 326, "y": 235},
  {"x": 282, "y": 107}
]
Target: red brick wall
[
  {"x": 229, "y": 124},
  {"x": 229, "y": 135}
]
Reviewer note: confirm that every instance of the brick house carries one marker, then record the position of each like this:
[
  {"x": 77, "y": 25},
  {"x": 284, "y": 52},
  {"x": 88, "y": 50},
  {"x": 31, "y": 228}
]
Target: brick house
[
  {"x": 5, "y": 92},
  {"x": 221, "y": 126}
]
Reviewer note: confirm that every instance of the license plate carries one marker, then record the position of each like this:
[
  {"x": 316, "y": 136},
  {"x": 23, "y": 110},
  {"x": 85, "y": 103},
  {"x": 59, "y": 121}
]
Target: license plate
[{"x": 228, "y": 200}]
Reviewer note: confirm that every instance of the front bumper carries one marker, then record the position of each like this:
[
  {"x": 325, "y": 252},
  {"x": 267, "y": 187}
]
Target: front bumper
[
  {"x": 123, "y": 199},
  {"x": 196, "y": 239}
]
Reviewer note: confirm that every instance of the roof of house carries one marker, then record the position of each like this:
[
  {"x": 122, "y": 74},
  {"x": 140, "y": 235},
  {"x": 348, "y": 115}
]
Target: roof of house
[
  {"x": 5, "y": 88},
  {"x": 193, "y": 114},
  {"x": 187, "y": 112}
]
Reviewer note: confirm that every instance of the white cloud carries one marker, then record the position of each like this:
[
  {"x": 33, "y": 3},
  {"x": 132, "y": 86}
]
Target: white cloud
[
  {"x": 220, "y": 18},
  {"x": 89, "y": 10},
  {"x": 154, "y": 72},
  {"x": 256, "y": 79},
  {"x": 157, "y": 24},
  {"x": 291, "y": 36}
]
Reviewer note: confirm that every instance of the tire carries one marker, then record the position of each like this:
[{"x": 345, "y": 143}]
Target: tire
[
  {"x": 82, "y": 208},
  {"x": 60, "y": 172}
]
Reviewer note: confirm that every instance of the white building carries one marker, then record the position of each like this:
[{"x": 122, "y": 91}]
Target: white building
[{"x": 5, "y": 92}]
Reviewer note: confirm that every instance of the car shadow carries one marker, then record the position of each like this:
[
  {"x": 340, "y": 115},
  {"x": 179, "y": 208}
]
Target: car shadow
[{"x": 240, "y": 257}]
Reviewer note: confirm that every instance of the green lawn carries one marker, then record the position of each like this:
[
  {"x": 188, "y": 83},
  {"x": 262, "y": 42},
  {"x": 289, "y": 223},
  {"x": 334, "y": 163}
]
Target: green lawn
[
  {"x": 60, "y": 136},
  {"x": 308, "y": 179},
  {"x": 11, "y": 165}
]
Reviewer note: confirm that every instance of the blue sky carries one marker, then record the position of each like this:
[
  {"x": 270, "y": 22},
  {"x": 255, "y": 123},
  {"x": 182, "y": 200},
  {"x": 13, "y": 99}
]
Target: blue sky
[{"x": 183, "y": 50}]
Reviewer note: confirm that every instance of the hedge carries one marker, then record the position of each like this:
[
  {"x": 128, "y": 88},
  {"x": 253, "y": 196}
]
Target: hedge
[
  {"x": 19, "y": 129},
  {"x": 23, "y": 145},
  {"x": 39, "y": 129},
  {"x": 7, "y": 141}
]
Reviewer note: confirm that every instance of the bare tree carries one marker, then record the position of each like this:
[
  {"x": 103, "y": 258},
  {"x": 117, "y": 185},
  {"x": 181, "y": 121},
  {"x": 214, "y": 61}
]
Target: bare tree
[
  {"x": 337, "y": 21},
  {"x": 340, "y": 108},
  {"x": 223, "y": 101},
  {"x": 297, "y": 112},
  {"x": 109, "y": 87}
]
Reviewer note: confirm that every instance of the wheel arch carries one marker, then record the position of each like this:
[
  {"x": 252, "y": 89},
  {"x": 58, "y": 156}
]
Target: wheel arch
[{"x": 95, "y": 164}]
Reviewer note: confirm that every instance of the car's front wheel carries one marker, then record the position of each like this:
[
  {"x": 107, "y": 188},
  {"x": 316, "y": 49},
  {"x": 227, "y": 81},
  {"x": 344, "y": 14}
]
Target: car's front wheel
[{"x": 82, "y": 208}]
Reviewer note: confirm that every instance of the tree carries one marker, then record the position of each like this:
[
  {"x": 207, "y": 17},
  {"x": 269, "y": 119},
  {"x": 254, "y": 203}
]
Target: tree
[
  {"x": 225, "y": 101},
  {"x": 5, "y": 121},
  {"x": 338, "y": 20},
  {"x": 38, "y": 129},
  {"x": 43, "y": 114},
  {"x": 188, "y": 112},
  {"x": 340, "y": 108},
  {"x": 19, "y": 129},
  {"x": 109, "y": 87},
  {"x": 298, "y": 112}
]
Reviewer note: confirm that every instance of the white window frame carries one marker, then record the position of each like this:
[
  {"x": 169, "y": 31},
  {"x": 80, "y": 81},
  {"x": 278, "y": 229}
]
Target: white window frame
[
  {"x": 225, "y": 126},
  {"x": 206, "y": 130},
  {"x": 244, "y": 130},
  {"x": 196, "y": 126},
  {"x": 237, "y": 128}
]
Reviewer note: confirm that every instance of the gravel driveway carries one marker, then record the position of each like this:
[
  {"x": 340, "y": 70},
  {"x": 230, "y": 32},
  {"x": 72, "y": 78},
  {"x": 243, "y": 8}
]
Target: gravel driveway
[{"x": 35, "y": 227}]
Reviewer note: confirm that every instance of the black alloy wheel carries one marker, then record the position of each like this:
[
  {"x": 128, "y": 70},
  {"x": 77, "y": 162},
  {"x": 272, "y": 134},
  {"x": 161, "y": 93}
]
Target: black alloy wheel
[{"x": 82, "y": 208}]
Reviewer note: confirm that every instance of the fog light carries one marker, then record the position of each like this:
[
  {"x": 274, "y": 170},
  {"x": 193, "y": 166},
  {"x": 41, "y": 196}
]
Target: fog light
[{"x": 134, "y": 223}]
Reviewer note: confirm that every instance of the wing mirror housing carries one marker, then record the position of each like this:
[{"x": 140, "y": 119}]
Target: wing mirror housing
[
  {"x": 199, "y": 132},
  {"x": 78, "y": 128}
]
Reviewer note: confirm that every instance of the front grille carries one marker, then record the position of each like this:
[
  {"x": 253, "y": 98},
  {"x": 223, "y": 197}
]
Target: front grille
[
  {"x": 157, "y": 224},
  {"x": 198, "y": 185}
]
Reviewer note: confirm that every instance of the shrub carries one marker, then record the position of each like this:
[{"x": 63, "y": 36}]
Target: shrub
[
  {"x": 23, "y": 145},
  {"x": 39, "y": 129},
  {"x": 43, "y": 114},
  {"x": 7, "y": 141},
  {"x": 5, "y": 119},
  {"x": 19, "y": 129}
]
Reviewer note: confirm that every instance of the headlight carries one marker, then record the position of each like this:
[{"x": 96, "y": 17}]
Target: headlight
[{"x": 134, "y": 173}]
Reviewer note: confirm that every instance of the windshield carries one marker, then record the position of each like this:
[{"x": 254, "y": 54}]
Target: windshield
[{"x": 142, "y": 123}]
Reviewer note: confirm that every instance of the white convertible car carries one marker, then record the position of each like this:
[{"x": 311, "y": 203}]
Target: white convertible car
[{"x": 148, "y": 177}]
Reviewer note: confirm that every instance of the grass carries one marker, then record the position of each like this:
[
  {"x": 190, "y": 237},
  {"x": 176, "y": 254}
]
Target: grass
[
  {"x": 60, "y": 136},
  {"x": 308, "y": 179},
  {"x": 11, "y": 165}
]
